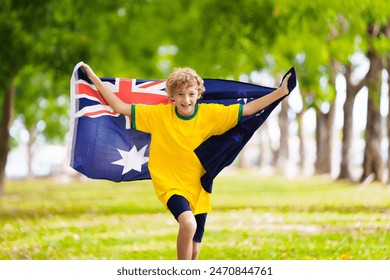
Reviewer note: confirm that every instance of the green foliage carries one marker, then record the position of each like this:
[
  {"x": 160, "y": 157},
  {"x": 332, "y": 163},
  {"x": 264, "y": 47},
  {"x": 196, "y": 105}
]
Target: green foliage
[
  {"x": 148, "y": 38},
  {"x": 41, "y": 48},
  {"x": 227, "y": 37},
  {"x": 48, "y": 114},
  {"x": 253, "y": 217}
]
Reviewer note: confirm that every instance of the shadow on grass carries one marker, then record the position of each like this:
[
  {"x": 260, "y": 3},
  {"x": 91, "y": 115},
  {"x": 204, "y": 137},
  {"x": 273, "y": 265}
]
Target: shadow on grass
[
  {"x": 44, "y": 213},
  {"x": 312, "y": 209}
]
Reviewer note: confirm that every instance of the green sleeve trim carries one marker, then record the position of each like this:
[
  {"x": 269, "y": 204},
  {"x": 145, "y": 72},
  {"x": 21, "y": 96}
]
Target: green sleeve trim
[
  {"x": 133, "y": 124},
  {"x": 240, "y": 109}
]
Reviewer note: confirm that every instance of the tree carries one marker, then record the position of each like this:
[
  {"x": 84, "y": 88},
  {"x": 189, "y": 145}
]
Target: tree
[
  {"x": 352, "y": 90},
  {"x": 373, "y": 162},
  {"x": 378, "y": 44},
  {"x": 342, "y": 33},
  {"x": 307, "y": 30},
  {"x": 350, "y": 35},
  {"x": 5, "y": 124},
  {"x": 388, "y": 118},
  {"x": 35, "y": 33},
  {"x": 17, "y": 33},
  {"x": 48, "y": 116}
]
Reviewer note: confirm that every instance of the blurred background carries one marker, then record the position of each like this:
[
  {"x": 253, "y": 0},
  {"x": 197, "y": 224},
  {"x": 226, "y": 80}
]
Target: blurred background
[{"x": 335, "y": 123}]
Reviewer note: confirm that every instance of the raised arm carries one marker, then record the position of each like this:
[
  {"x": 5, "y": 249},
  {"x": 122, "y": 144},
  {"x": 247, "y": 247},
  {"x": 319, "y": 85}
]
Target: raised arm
[
  {"x": 116, "y": 104},
  {"x": 262, "y": 102}
]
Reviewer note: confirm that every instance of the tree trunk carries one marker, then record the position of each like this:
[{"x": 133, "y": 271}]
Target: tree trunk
[
  {"x": 331, "y": 120},
  {"x": 347, "y": 138},
  {"x": 387, "y": 33},
  {"x": 388, "y": 121},
  {"x": 5, "y": 124},
  {"x": 30, "y": 153},
  {"x": 283, "y": 154},
  {"x": 243, "y": 161},
  {"x": 265, "y": 146},
  {"x": 373, "y": 162},
  {"x": 345, "y": 168},
  {"x": 302, "y": 142},
  {"x": 324, "y": 139},
  {"x": 335, "y": 70},
  {"x": 321, "y": 136}
]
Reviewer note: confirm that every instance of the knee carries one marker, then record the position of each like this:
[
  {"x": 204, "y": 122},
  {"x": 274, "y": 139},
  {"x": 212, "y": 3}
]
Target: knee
[{"x": 187, "y": 224}]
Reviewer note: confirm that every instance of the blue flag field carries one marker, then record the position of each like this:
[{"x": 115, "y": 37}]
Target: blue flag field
[{"x": 103, "y": 145}]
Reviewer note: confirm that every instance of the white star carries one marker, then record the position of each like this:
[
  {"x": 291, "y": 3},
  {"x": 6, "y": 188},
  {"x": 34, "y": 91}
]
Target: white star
[
  {"x": 259, "y": 113},
  {"x": 244, "y": 99},
  {"x": 132, "y": 159}
]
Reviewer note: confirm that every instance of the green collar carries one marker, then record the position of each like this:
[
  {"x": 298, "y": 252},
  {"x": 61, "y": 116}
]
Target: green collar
[{"x": 189, "y": 117}]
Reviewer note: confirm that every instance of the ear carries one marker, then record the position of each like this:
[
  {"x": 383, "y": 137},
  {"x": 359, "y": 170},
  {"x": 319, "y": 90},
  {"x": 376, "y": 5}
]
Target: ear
[{"x": 171, "y": 98}]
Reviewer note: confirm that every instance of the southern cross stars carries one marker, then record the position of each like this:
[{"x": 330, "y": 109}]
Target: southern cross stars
[
  {"x": 245, "y": 99},
  {"x": 132, "y": 160}
]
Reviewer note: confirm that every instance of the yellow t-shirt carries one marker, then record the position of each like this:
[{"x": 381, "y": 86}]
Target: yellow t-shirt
[{"x": 173, "y": 164}]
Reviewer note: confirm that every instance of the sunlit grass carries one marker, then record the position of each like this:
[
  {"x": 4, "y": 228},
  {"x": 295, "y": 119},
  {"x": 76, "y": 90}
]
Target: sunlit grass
[{"x": 253, "y": 217}]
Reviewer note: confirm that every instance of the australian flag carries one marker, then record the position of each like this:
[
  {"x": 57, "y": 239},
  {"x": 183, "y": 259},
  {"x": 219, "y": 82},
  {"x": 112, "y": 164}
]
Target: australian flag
[{"x": 103, "y": 145}]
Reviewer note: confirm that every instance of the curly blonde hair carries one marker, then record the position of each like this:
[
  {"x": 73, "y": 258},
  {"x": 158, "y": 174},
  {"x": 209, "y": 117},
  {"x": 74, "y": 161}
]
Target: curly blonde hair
[{"x": 183, "y": 78}]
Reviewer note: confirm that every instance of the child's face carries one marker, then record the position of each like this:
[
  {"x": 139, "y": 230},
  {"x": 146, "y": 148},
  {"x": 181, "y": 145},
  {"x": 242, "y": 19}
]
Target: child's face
[{"x": 185, "y": 100}]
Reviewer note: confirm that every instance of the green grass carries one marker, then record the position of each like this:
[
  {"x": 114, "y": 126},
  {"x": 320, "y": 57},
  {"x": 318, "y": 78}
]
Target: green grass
[{"x": 253, "y": 217}]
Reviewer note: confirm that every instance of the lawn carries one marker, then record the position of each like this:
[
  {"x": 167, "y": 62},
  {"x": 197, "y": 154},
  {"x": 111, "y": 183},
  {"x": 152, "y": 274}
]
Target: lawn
[{"x": 253, "y": 217}]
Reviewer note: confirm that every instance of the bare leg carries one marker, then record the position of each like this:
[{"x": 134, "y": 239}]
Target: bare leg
[
  {"x": 195, "y": 250},
  {"x": 187, "y": 228}
]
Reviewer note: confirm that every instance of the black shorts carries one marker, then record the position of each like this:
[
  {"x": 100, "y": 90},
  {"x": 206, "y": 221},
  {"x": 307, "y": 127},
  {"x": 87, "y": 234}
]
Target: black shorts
[{"x": 177, "y": 204}]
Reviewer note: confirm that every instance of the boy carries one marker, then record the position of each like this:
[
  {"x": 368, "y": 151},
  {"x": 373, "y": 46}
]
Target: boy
[{"x": 177, "y": 129}]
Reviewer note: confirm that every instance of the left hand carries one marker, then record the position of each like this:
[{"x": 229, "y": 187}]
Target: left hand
[{"x": 284, "y": 85}]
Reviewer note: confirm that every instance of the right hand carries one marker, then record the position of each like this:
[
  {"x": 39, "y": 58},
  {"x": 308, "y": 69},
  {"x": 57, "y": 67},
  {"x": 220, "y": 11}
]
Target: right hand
[{"x": 88, "y": 70}]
